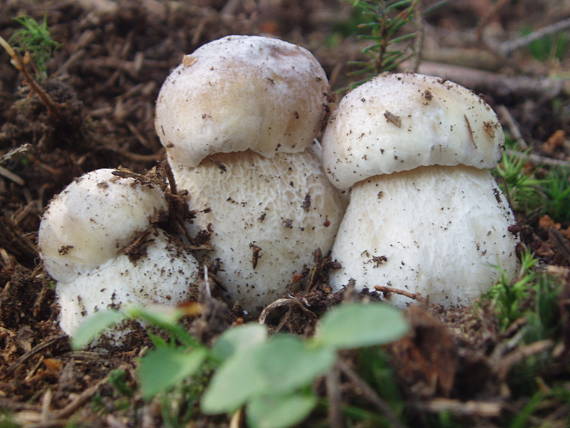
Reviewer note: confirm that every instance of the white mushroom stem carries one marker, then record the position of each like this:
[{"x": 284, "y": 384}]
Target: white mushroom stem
[
  {"x": 267, "y": 217},
  {"x": 438, "y": 231},
  {"x": 164, "y": 274}
]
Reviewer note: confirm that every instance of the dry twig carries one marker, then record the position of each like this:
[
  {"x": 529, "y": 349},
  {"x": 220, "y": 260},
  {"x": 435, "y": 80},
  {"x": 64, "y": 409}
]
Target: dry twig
[
  {"x": 24, "y": 148},
  {"x": 20, "y": 65},
  {"x": 281, "y": 303},
  {"x": 520, "y": 354},
  {"x": 392, "y": 290},
  {"x": 79, "y": 401},
  {"x": 505, "y": 114},
  {"x": 335, "y": 398},
  {"x": 537, "y": 159},
  {"x": 502, "y": 85},
  {"x": 508, "y": 47},
  {"x": 467, "y": 408},
  {"x": 6, "y": 173},
  {"x": 34, "y": 351},
  {"x": 420, "y": 33}
]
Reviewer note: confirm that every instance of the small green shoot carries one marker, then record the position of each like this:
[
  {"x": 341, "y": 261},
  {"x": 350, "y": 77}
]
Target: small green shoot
[
  {"x": 6, "y": 420},
  {"x": 375, "y": 367},
  {"x": 510, "y": 297},
  {"x": 533, "y": 296},
  {"x": 251, "y": 369},
  {"x": 552, "y": 46},
  {"x": 382, "y": 24},
  {"x": 519, "y": 187},
  {"x": 117, "y": 379},
  {"x": 535, "y": 196},
  {"x": 555, "y": 194},
  {"x": 34, "y": 37}
]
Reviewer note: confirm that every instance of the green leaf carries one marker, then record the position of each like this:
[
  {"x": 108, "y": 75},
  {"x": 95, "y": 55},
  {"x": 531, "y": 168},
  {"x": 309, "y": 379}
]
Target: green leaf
[
  {"x": 398, "y": 4},
  {"x": 233, "y": 383},
  {"x": 280, "y": 365},
  {"x": 355, "y": 324},
  {"x": 94, "y": 326},
  {"x": 159, "y": 315},
  {"x": 165, "y": 317},
  {"x": 287, "y": 363},
  {"x": 238, "y": 338},
  {"x": 163, "y": 368},
  {"x": 277, "y": 411},
  {"x": 403, "y": 38}
]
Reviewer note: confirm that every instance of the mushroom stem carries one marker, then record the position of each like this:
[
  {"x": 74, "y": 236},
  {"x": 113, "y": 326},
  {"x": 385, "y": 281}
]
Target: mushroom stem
[
  {"x": 266, "y": 218},
  {"x": 437, "y": 231}
]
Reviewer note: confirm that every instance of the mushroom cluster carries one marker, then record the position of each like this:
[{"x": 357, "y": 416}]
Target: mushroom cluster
[
  {"x": 424, "y": 213},
  {"x": 237, "y": 119},
  {"x": 84, "y": 239}
]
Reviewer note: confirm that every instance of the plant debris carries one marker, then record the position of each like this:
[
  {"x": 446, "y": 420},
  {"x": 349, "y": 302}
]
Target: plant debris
[{"x": 462, "y": 363}]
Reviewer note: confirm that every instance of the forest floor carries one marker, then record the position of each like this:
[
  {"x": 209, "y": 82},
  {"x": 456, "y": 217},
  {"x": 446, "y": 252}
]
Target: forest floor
[{"x": 474, "y": 366}]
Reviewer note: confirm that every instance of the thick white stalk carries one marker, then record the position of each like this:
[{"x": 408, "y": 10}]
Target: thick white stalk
[{"x": 438, "y": 231}]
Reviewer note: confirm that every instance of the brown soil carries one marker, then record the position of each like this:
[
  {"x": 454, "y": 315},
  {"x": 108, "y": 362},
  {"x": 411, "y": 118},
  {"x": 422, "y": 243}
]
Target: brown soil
[{"x": 105, "y": 78}]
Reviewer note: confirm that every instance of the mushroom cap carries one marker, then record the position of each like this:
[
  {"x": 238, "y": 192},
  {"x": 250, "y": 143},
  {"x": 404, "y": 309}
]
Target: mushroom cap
[
  {"x": 239, "y": 93},
  {"x": 398, "y": 122},
  {"x": 93, "y": 219},
  {"x": 438, "y": 231},
  {"x": 164, "y": 274},
  {"x": 267, "y": 217}
]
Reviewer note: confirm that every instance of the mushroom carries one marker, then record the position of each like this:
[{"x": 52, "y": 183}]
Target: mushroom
[
  {"x": 424, "y": 215},
  {"x": 241, "y": 93},
  {"x": 237, "y": 118},
  {"x": 98, "y": 240}
]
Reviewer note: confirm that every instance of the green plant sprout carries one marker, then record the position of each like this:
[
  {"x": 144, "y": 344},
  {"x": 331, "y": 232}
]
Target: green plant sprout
[
  {"x": 20, "y": 63},
  {"x": 34, "y": 37},
  {"x": 270, "y": 376},
  {"x": 519, "y": 187},
  {"x": 383, "y": 21},
  {"x": 509, "y": 298},
  {"x": 532, "y": 295},
  {"x": 548, "y": 47},
  {"x": 535, "y": 196},
  {"x": 6, "y": 421},
  {"x": 555, "y": 194}
]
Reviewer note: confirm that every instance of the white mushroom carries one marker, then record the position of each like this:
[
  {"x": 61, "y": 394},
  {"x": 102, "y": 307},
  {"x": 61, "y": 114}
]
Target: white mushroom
[
  {"x": 421, "y": 216},
  {"x": 93, "y": 219},
  {"x": 82, "y": 238},
  {"x": 267, "y": 217},
  {"x": 237, "y": 119},
  {"x": 241, "y": 93}
]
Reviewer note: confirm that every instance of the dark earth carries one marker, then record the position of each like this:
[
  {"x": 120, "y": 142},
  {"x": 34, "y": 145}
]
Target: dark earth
[{"x": 104, "y": 79}]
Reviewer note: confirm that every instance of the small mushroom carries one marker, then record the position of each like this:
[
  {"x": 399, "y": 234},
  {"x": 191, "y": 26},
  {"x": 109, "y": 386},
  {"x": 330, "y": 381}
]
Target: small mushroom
[
  {"x": 423, "y": 214},
  {"x": 237, "y": 118},
  {"x": 98, "y": 240},
  {"x": 93, "y": 218}
]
